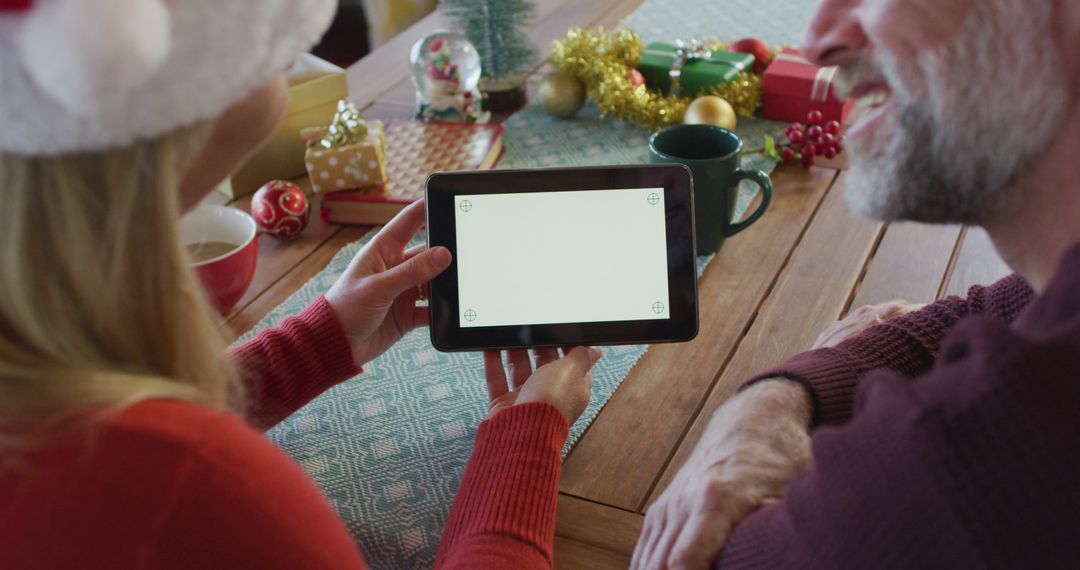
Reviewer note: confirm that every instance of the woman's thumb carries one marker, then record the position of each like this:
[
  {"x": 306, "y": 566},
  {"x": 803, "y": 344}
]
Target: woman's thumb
[{"x": 415, "y": 271}]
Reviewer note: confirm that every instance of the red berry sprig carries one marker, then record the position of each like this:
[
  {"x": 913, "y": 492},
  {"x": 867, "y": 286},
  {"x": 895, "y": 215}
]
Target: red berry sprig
[{"x": 807, "y": 141}]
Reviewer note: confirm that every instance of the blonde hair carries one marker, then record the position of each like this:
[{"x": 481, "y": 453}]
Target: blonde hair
[{"x": 99, "y": 308}]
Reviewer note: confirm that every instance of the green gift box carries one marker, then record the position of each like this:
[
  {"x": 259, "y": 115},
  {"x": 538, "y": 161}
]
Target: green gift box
[{"x": 701, "y": 69}]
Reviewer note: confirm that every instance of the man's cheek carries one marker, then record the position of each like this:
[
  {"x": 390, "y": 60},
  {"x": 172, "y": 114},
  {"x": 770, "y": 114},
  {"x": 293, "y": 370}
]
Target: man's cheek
[{"x": 908, "y": 28}]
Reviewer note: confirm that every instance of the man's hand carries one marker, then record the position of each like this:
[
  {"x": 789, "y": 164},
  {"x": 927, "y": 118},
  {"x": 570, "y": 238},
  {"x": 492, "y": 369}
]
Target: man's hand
[
  {"x": 564, "y": 383},
  {"x": 375, "y": 299},
  {"x": 753, "y": 446},
  {"x": 861, "y": 319}
]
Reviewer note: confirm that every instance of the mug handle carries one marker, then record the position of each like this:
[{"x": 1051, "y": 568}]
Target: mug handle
[{"x": 762, "y": 180}]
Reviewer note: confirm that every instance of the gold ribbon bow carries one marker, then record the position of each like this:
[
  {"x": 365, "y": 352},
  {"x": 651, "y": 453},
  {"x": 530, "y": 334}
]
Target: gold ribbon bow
[{"x": 348, "y": 127}]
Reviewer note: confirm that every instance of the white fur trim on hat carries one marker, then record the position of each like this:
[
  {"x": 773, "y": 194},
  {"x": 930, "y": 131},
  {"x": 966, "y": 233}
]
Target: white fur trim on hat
[
  {"x": 85, "y": 75},
  {"x": 75, "y": 64}
]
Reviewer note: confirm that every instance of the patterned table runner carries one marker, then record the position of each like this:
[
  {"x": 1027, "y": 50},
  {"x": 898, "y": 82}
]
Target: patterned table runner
[{"x": 388, "y": 448}]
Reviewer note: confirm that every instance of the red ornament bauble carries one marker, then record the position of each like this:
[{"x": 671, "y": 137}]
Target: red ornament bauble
[
  {"x": 280, "y": 209},
  {"x": 763, "y": 56},
  {"x": 635, "y": 77}
]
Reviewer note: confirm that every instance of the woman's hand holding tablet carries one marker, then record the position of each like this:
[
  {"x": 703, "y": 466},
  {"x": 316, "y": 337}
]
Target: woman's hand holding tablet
[{"x": 557, "y": 257}]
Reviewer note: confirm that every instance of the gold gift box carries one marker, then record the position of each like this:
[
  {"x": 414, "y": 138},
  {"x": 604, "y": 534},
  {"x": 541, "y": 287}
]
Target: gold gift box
[
  {"x": 315, "y": 87},
  {"x": 351, "y": 166}
]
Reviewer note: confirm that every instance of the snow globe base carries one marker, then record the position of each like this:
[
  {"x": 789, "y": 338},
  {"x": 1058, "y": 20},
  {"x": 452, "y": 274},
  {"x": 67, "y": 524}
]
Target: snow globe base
[{"x": 504, "y": 97}]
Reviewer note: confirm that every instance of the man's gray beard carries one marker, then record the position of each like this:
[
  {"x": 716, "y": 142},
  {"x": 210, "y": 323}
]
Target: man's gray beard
[{"x": 998, "y": 98}]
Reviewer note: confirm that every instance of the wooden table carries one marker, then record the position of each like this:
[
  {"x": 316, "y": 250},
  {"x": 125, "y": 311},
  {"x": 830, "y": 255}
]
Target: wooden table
[{"x": 767, "y": 295}]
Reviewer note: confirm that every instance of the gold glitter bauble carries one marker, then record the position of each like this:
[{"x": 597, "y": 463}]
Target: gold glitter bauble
[
  {"x": 711, "y": 110},
  {"x": 562, "y": 94}
]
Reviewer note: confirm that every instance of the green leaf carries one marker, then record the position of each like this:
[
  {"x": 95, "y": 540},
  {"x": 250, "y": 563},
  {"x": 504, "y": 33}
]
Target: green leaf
[{"x": 770, "y": 148}]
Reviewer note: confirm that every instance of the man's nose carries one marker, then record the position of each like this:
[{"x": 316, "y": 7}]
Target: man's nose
[{"x": 835, "y": 35}]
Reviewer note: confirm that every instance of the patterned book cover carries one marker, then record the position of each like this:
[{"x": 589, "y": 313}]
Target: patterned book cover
[{"x": 415, "y": 149}]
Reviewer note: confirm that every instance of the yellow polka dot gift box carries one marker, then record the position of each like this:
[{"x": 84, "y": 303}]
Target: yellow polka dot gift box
[{"x": 349, "y": 154}]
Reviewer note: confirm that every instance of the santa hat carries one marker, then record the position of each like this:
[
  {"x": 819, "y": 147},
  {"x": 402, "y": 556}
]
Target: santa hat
[{"x": 85, "y": 75}]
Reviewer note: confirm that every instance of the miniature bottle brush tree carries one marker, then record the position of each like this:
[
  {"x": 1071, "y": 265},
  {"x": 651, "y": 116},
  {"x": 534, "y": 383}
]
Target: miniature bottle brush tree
[{"x": 496, "y": 28}]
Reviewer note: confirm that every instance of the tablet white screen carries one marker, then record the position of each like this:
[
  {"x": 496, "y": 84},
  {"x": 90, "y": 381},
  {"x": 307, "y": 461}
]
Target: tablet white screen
[{"x": 562, "y": 257}]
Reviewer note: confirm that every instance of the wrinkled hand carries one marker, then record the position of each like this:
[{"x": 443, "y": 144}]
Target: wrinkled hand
[
  {"x": 753, "y": 446},
  {"x": 375, "y": 299},
  {"x": 562, "y": 382},
  {"x": 861, "y": 319}
]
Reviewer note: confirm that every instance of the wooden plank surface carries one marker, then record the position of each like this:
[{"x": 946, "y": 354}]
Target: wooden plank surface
[
  {"x": 573, "y": 555},
  {"x": 627, "y": 446},
  {"x": 811, "y": 292},
  {"x": 978, "y": 263},
  {"x": 618, "y": 13},
  {"x": 598, "y": 525},
  {"x": 909, "y": 264}
]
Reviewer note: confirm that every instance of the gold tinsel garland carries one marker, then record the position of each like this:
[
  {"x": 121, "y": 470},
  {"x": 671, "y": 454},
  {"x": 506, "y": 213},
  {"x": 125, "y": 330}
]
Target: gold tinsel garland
[{"x": 603, "y": 60}]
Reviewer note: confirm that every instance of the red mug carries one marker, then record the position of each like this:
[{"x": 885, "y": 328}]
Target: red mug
[{"x": 227, "y": 275}]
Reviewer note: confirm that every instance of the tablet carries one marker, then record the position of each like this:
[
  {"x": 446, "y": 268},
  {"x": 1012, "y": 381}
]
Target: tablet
[{"x": 564, "y": 256}]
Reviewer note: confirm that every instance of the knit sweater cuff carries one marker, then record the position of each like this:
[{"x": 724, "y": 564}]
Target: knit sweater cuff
[
  {"x": 318, "y": 329},
  {"x": 510, "y": 488},
  {"x": 828, "y": 379},
  {"x": 755, "y": 542},
  {"x": 287, "y": 366}
]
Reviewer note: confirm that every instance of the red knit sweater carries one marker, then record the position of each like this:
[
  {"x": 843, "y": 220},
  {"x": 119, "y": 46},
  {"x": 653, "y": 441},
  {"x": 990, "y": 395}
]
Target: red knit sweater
[
  {"x": 167, "y": 484},
  {"x": 951, "y": 441}
]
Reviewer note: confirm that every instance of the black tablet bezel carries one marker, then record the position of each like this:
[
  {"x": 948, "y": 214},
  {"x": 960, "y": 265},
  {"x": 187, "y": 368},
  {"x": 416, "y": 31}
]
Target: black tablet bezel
[{"x": 448, "y": 336}]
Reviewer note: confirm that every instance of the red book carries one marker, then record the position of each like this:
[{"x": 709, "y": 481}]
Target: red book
[
  {"x": 794, "y": 87},
  {"x": 414, "y": 150}
]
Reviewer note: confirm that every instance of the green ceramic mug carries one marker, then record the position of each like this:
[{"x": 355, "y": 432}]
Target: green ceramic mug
[{"x": 713, "y": 155}]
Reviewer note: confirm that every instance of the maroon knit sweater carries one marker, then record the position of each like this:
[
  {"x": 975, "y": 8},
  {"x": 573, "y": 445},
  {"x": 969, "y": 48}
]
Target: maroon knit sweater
[{"x": 952, "y": 440}]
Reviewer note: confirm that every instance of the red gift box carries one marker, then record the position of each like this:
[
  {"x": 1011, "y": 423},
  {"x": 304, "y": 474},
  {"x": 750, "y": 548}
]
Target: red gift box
[{"x": 794, "y": 87}]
